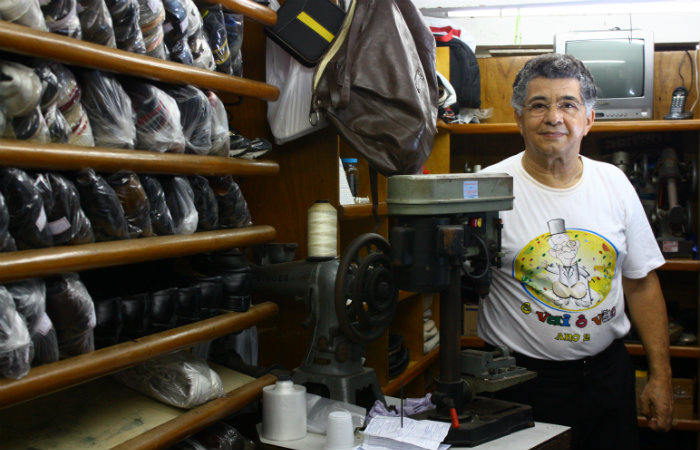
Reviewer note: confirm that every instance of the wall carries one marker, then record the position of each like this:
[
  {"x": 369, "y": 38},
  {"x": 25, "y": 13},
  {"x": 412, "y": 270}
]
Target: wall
[{"x": 668, "y": 27}]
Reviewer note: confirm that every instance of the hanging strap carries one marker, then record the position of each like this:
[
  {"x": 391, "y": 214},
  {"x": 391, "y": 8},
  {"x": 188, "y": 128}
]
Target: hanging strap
[{"x": 375, "y": 197}]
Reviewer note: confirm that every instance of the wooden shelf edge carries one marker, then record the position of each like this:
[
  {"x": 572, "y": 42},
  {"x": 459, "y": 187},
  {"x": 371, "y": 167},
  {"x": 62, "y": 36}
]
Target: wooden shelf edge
[
  {"x": 36, "y": 155},
  {"x": 598, "y": 127},
  {"x": 676, "y": 351},
  {"x": 471, "y": 341},
  {"x": 50, "y": 261},
  {"x": 678, "y": 424},
  {"x": 250, "y": 9},
  {"x": 681, "y": 265},
  {"x": 194, "y": 420},
  {"x": 63, "y": 374},
  {"x": 414, "y": 369},
  {"x": 360, "y": 211},
  {"x": 53, "y": 46}
]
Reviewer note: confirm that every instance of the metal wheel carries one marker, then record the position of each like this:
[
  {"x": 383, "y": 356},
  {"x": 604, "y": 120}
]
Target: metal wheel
[{"x": 365, "y": 293}]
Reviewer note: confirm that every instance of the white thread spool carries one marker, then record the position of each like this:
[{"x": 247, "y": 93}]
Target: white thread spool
[
  {"x": 322, "y": 234},
  {"x": 284, "y": 411}
]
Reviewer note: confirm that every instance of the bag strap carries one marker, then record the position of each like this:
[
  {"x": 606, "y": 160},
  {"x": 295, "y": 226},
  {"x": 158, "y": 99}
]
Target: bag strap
[
  {"x": 375, "y": 197},
  {"x": 356, "y": 28}
]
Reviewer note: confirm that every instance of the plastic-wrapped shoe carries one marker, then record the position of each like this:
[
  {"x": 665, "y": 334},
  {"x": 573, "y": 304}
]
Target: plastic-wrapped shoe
[
  {"x": 20, "y": 89},
  {"x": 259, "y": 147},
  {"x": 239, "y": 144}
]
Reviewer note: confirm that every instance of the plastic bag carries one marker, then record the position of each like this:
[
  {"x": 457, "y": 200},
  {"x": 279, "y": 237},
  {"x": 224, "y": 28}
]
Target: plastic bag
[
  {"x": 318, "y": 408},
  {"x": 152, "y": 15},
  {"x": 31, "y": 127},
  {"x": 20, "y": 89},
  {"x": 220, "y": 138},
  {"x": 125, "y": 20},
  {"x": 30, "y": 300},
  {"x": 137, "y": 208},
  {"x": 26, "y": 12},
  {"x": 288, "y": 116},
  {"x": 179, "y": 379},
  {"x": 109, "y": 108},
  {"x": 15, "y": 344},
  {"x": 161, "y": 219},
  {"x": 96, "y": 22},
  {"x": 102, "y": 206},
  {"x": 59, "y": 130},
  {"x": 49, "y": 85},
  {"x": 180, "y": 199},
  {"x": 175, "y": 30},
  {"x": 69, "y": 103},
  {"x": 26, "y": 208},
  {"x": 233, "y": 208},
  {"x": 158, "y": 126},
  {"x": 195, "y": 117},
  {"x": 7, "y": 242},
  {"x": 66, "y": 219},
  {"x": 70, "y": 307},
  {"x": 222, "y": 436},
  {"x": 234, "y": 30},
  {"x": 61, "y": 17},
  {"x": 215, "y": 31},
  {"x": 205, "y": 202}
]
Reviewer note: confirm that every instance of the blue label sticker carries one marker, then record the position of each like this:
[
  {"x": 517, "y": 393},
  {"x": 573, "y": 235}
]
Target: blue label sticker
[{"x": 471, "y": 189}]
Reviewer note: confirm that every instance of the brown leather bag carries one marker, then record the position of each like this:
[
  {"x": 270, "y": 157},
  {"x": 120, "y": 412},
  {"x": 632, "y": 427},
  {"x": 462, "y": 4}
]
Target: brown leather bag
[{"x": 377, "y": 85}]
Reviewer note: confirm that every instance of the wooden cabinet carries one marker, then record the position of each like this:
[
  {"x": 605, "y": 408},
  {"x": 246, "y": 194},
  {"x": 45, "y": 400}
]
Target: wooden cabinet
[
  {"x": 72, "y": 386},
  {"x": 498, "y": 137}
]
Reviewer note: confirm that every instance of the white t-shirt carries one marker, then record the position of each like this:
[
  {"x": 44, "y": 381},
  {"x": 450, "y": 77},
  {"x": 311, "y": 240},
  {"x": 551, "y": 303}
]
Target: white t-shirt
[{"x": 558, "y": 294}]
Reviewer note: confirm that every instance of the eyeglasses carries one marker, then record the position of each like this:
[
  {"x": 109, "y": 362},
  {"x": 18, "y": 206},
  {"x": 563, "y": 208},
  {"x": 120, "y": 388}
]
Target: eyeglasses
[{"x": 567, "y": 107}]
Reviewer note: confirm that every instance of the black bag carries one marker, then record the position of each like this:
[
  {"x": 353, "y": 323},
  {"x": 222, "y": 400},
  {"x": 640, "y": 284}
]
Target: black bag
[
  {"x": 465, "y": 76},
  {"x": 378, "y": 86},
  {"x": 305, "y": 28}
]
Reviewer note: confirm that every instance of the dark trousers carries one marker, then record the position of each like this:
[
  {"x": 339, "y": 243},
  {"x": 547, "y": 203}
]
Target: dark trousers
[{"x": 594, "y": 396}]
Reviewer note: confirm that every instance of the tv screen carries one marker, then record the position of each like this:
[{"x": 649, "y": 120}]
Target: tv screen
[
  {"x": 622, "y": 64},
  {"x": 616, "y": 65}
]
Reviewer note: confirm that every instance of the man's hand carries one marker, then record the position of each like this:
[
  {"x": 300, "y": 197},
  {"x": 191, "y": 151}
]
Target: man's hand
[{"x": 656, "y": 403}]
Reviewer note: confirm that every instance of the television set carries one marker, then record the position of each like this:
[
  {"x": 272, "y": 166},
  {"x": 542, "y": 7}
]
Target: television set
[{"x": 622, "y": 64}]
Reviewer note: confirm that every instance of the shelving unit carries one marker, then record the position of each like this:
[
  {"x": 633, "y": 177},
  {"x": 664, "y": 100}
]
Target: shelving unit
[{"x": 81, "y": 381}]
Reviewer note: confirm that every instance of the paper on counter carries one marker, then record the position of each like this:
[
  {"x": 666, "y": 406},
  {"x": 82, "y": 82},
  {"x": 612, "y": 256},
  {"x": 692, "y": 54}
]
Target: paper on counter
[{"x": 387, "y": 433}]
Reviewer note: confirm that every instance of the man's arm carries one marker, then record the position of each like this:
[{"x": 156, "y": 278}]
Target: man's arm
[{"x": 647, "y": 308}]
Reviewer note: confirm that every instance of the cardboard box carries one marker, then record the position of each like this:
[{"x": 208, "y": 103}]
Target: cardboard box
[{"x": 471, "y": 313}]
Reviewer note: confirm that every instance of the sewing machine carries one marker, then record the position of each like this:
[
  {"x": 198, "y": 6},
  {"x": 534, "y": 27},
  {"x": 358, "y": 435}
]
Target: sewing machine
[
  {"x": 351, "y": 303},
  {"x": 445, "y": 237}
]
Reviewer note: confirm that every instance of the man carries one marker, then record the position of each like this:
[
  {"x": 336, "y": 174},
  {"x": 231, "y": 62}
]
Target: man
[{"x": 577, "y": 243}]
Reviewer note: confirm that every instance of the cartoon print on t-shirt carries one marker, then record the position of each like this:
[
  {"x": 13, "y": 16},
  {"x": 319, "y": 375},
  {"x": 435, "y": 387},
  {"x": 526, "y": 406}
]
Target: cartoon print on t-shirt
[{"x": 569, "y": 270}]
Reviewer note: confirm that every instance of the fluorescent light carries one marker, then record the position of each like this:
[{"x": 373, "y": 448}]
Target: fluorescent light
[{"x": 567, "y": 8}]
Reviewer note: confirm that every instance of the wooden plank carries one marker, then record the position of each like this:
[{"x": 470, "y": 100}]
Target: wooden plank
[
  {"x": 37, "y": 155},
  {"x": 28, "y": 41},
  {"x": 75, "y": 258},
  {"x": 62, "y": 374}
]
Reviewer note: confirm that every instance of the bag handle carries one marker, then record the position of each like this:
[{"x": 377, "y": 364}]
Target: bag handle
[{"x": 358, "y": 20}]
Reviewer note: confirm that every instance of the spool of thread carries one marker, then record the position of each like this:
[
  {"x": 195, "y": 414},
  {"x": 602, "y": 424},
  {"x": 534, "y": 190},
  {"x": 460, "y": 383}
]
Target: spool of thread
[
  {"x": 284, "y": 411},
  {"x": 322, "y": 231}
]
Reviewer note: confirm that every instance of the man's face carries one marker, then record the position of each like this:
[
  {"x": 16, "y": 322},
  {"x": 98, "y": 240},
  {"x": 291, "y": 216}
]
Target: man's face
[{"x": 550, "y": 130}]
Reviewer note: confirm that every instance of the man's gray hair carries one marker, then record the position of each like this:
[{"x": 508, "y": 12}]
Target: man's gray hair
[{"x": 553, "y": 65}]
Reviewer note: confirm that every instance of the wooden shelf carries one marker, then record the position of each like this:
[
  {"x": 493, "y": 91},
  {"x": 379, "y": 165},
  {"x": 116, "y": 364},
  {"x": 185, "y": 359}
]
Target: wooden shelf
[
  {"x": 678, "y": 424},
  {"x": 36, "y": 155},
  {"x": 414, "y": 369},
  {"x": 75, "y": 258},
  {"x": 41, "y": 44},
  {"x": 106, "y": 414},
  {"x": 681, "y": 265},
  {"x": 677, "y": 351},
  {"x": 598, "y": 127},
  {"x": 69, "y": 372},
  {"x": 360, "y": 211},
  {"x": 249, "y": 8}
]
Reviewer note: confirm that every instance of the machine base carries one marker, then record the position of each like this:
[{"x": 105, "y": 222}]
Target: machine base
[
  {"x": 484, "y": 419},
  {"x": 361, "y": 388}
]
